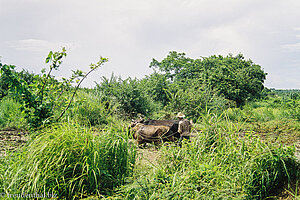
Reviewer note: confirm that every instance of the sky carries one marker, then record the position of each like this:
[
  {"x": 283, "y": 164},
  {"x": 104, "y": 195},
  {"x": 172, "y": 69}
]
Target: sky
[{"x": 132, "y": 32}]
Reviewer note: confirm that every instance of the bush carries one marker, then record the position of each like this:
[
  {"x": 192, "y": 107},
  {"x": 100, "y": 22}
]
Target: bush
[
  {"x": 70, "y": 161},
  {"x": 233, "y": 77},
  {"x": 129, "y": 95},
  {"x": 195, "y": 101},
  {"x": 157, "y": 86},
  {"x": 40, "y": 94}
]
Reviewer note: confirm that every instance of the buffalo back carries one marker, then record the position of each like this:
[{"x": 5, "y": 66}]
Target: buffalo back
[{"x": 173, "y": 124}]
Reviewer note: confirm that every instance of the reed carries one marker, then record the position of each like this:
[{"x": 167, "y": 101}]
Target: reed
[{"x": 71, "y": 161}]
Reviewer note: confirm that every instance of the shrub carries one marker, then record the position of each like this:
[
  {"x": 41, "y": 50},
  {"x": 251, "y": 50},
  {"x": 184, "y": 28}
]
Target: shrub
[
  {"x": 129, "y": 95},
  {"x": 237, "y": 114},
  {"x": 195, "y": 101},
  {"x": 233, "y": 77},
  {"x": 40, "y": 94}
]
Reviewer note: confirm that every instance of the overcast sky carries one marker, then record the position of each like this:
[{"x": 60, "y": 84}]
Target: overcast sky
[{"x": 132, "y": 32}]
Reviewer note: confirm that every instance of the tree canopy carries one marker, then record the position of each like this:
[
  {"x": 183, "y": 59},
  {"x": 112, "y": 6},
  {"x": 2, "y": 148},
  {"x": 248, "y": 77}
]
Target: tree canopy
[{"x": 232, "y": 76}]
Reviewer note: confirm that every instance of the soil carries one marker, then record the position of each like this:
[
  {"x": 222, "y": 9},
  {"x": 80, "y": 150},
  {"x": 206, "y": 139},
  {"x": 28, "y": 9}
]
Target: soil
[
  {"x": 148, "y": 156},
  {"x": 10, "y": 140}
]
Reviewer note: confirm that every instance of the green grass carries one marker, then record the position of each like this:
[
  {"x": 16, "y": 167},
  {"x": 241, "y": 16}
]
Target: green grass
[
  {"x": 10, "y": 115},
  {"x": 243, "y": 153},
  {"x": 70, "y": 161},
  {"x": 218, "y": 164},
  {"x": 89, "y": 109}
]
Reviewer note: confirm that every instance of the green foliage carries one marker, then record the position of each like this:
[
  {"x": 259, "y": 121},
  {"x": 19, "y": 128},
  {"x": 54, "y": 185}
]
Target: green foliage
[
  {"x": 10, "y": 114},
  {"x": 129, "y": 94},
  {"x": 233, "y": 77},
  {"x": 24, "y": 75},
  {"x": 36, "y": 97},
  {"x": 289, "y": 94},
  {"x": 89, "y": 108},
  {"x": 218, "y": 164},
  {"x": 195, "y": 100},
  {"x": 235, "y": 154},
  {"x": 70, "y": 161},
  {"x": 270, "y": 170},
  {"x": 272, "y": 108},
  {"x": 158, "y": 87},
  {"x": 41, "y": 94},
  {"x": 79, "y": 73},
  {"x": 175, "y": 65}
]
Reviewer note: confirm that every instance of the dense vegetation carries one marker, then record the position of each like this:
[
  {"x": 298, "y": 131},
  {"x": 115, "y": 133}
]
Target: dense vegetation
[
  {"x": 79, "y": 143},
  {"x": 233, "y": 77}
]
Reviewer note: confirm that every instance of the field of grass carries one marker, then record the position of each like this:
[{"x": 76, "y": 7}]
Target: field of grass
[
  {"x": 223, "y": 161},
  {"x": 250, "y": 152}
]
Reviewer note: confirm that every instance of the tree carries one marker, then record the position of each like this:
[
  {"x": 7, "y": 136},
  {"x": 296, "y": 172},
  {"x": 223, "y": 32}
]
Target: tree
[
  {"x": 158, "y": 87},
  {"x": 234, "y": 77}
]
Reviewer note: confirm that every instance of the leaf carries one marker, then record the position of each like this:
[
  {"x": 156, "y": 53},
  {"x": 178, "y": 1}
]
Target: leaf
[{"x": 49, "y": 57}]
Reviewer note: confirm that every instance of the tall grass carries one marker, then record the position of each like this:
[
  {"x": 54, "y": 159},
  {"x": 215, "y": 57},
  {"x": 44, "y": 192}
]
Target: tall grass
[
  {"x": 220, "y": 163},
  {"x": 10, "y": 114},
  {"x": 227, "y": 159},
  {"x": 273, "y": 108},
  {"x": 70, "y": 161},
  {"x": 88, "y": 108},
  {"x": 270, "y": 170},
  {"x": 276, "y": 119}
]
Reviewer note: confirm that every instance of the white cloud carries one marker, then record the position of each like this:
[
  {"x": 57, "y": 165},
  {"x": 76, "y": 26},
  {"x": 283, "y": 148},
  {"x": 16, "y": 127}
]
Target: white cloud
[
  {"x": 296, "y": 61},
  {"x": 35, "y": 45},
  {"x": 291, "y": 47},
  {"x": 276, "y": 81},
  {"x": 297, "y": 28},
  {"x": 131, "y": 32}
]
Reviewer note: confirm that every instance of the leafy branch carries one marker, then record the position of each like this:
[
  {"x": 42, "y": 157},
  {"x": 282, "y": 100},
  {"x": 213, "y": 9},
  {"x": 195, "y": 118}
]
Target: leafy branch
[
  {"x": 40, "y": 96},
  {"x": 56, "y": 59},
  {"x": 79, "y": 73}
]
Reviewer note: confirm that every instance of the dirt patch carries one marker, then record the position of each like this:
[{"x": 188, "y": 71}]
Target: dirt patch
[
  {"x": 148, "y": 155},
  {"x": 10, "y": 140}
]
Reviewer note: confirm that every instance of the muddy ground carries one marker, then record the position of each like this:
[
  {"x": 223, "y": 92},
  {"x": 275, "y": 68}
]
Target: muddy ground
[{"x": 10, "y": 140}]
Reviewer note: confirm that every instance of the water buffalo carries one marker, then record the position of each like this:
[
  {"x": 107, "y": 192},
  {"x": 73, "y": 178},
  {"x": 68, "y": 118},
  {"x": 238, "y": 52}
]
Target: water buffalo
[
  {"x": 151, "y": 133},
  {"x": 173, "y": 124},
  {"x": 155, "y": 130}
]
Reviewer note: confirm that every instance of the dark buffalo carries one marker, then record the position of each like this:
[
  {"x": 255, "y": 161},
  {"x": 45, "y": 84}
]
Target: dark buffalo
[
  {"x": 151, "y": 134},
  {"x": 173, "y": 124},
  {"x": 151, "y": 125}
]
